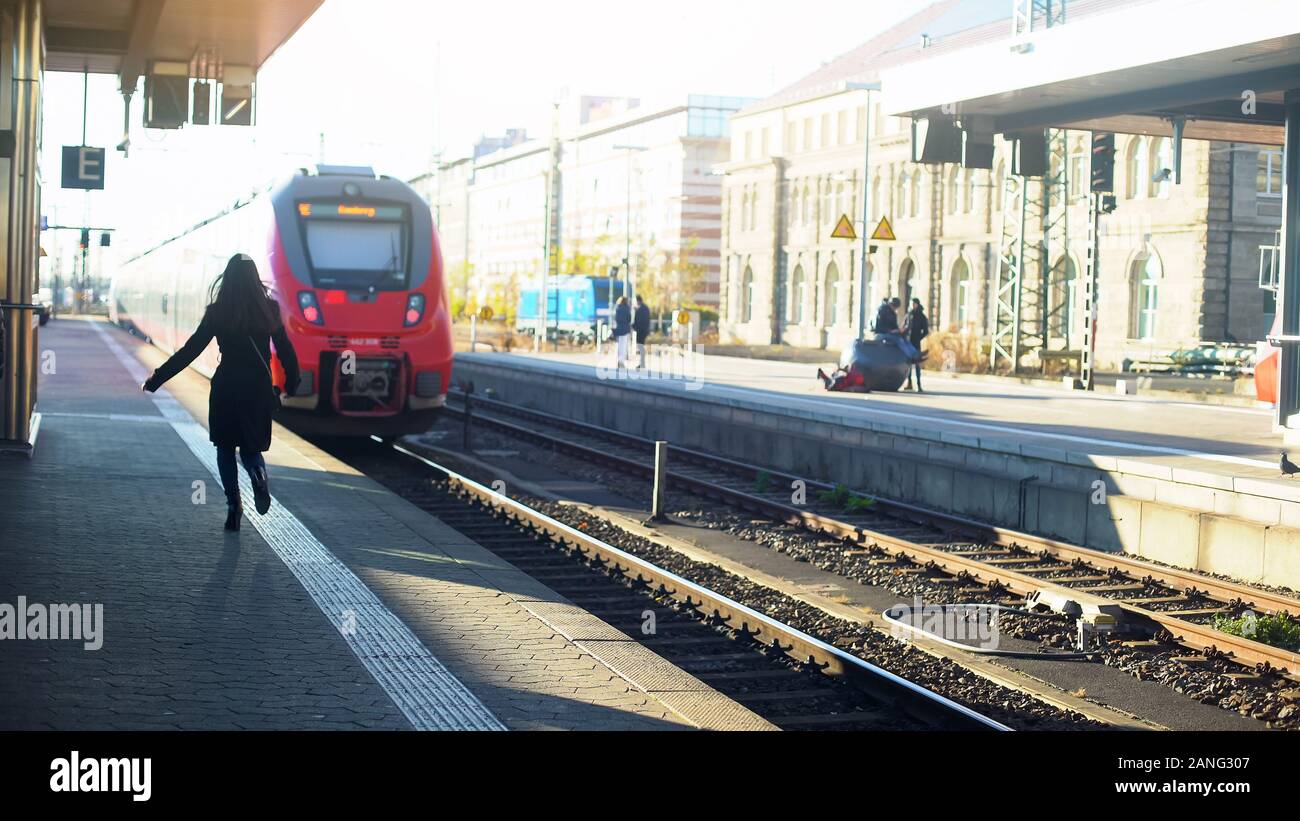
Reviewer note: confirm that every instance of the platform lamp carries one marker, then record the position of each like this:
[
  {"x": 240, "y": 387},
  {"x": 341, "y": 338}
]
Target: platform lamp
[{"x": 866, "y": 203}]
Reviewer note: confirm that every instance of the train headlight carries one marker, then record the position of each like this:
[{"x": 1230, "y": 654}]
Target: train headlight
[
  {"x": 310, "y": 310},
  {"x": 414, "y": 309}
]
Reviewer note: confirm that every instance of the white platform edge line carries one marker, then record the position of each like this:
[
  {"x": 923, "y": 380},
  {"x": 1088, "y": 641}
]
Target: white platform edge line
[{"x": 424, "y": 690}]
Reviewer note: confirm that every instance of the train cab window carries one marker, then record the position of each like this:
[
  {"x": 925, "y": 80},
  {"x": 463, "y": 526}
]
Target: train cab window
[{"x": 357, "y": 247}]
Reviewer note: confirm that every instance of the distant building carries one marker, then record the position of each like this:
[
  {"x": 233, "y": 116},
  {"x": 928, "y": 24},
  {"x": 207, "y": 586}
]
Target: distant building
[
  {"x": 594, "y": 109},
  {"x": 634, "y": 181},
  {"x": 488, "y": 145},
  {"x": 1178, "y": 265}
]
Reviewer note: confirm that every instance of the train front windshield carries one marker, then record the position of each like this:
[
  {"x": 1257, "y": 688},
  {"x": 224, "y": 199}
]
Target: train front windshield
[{"x": 357, "y": 247}]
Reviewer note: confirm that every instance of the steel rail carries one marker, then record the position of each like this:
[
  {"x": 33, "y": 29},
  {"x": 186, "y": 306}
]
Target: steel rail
[
  {"x": 1198, "y": 636},
  {"x": 890, "y": 688}
]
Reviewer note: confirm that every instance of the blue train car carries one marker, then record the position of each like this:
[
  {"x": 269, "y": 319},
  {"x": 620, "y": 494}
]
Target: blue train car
[{"x": 575, "y": 304}]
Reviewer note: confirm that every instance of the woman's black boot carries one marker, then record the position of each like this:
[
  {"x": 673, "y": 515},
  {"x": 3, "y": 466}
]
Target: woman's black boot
[
  {"x": 261, "y": 491},
  {"x": 234, "y": 513}
]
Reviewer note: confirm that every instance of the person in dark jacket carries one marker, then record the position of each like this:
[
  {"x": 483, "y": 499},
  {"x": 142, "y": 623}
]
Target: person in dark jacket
[
  {"x": 916, "y": 329},
  {"x": 887, "y": 317},
  {"x": 245, "y": 320},
  {"x": 622, "y": 329},
  {"x": 887, "y": 330},
  {"x": 641, "y": 325}
]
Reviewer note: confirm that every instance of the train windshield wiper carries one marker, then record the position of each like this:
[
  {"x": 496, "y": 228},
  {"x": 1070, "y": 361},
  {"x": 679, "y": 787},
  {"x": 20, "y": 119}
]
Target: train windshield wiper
[{"x": 390, "y": 269}]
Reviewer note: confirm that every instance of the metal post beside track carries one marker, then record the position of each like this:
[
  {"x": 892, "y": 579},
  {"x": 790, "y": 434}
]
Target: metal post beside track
[
  {"x": 661, "y": 479},
  {"x": 469, "y": 415}
]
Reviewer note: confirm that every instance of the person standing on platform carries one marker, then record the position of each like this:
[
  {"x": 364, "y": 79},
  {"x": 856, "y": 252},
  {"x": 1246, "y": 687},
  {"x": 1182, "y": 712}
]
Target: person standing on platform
[
  {"x": 641, "y": 325},
  {"x": 887, "y": 330},
  {"x": 916, "y": 328},
  {"x": 887, "y": 317},
  {"x": 245, "y": 320},
  {"x": 622, "y": 330}
]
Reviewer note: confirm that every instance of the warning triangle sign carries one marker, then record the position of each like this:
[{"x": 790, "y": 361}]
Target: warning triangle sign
[
  {"x": 844, "y": 229},
  {"x": 884, "y": 231}
]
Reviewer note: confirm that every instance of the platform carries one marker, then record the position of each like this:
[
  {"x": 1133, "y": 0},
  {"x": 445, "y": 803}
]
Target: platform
[
  {"x": 345, "y": 608},
  {"x": 1194, "y": 485}
]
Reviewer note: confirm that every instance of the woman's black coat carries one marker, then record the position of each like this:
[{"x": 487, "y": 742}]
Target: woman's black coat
[
  {"x": 622, "y": 320},
  {"x": 240, "y": 404}
]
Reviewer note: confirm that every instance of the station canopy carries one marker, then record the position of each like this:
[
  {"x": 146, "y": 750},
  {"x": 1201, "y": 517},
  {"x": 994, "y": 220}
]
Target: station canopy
[
  {"x": 1132, "y": 68},
  {"x": 123, "y": 36}
]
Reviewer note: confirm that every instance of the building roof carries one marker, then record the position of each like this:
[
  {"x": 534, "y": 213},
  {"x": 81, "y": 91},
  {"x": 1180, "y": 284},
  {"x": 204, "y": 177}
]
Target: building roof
[
  {"x": 1164, "y": 61},
  {"x": 121, "y": 36},
  {"x": 947, "y": 26}
]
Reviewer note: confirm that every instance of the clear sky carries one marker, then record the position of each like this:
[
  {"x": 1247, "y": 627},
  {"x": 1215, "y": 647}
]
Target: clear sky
[{"x": 390, "y": 82}]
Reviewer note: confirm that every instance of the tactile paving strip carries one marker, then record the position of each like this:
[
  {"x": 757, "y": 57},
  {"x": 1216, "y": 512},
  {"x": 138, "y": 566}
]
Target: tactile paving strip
[{"x": 424, "y": 690}]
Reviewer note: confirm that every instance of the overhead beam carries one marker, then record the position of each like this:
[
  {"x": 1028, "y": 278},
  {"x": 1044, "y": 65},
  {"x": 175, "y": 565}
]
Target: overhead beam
[
  {"x": 1230, "y": 111},
  {"x": 144, "y": 24},
  {"x": 1165, "y": 97},
  {"x": 1157, "y": 126},
  {"x": 60, "y": 39}
]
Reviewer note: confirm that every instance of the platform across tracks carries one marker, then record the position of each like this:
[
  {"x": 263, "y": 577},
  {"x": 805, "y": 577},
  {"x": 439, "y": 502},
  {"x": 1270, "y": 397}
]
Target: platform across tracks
[{"x": 1188, "y": 484}]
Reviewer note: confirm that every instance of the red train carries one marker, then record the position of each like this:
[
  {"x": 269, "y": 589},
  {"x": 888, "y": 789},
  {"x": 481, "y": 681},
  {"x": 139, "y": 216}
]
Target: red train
[{"x": 354, "y": 261}]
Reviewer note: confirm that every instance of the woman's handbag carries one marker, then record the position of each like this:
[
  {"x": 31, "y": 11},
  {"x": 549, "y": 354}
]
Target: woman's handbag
[{"x": 275, "y": 392}]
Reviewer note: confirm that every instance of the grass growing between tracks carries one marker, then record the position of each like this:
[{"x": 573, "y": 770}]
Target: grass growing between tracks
[
  {"x": 1274, "y": 630},
  {"x": 845, "y": 499}
]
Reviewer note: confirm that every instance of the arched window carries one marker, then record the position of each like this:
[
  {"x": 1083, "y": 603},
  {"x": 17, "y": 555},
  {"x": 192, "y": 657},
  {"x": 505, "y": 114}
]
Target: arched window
[
  {"x": 961, "y": 293},
  {"x": 1064, "y": 296},
  {"x": 876, "y": 205},
  {"x": 1147, "y": 273},
  {"x": 954, "y": 189},
  {"x": 797, "y": 288},
  {"x": 906, "y": 282},
  {"x": 968, "y": 192},
  {"x": 793, "y": 211},
  {"x": 744, "y": 210},
  {"x": 904, "y": 191},
  {"x": 747, "y": 294},
  {"x": 753, "y": 208},
  {"x": 1139, "y": 168},
  {"x": 914, "y": 202},
  {"x": 1162, "y": 159},
  {"x": 805, "y": 211},
  {"x": 832, "y": 313}
]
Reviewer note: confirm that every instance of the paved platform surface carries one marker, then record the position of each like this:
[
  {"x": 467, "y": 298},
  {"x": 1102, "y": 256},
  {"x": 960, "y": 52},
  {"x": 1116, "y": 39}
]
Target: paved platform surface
[
  {"x": 347, "y": 608},
  {"x": 1231, "y": 441}
]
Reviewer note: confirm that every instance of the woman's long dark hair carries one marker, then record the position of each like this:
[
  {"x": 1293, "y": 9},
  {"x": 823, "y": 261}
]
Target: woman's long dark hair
[{"x": 238, "y": 301}]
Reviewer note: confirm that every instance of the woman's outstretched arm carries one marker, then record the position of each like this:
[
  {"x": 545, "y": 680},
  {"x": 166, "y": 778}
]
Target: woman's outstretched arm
[
  {"x": 288, "y": 360},
  {"x": 182, "y": 358}
]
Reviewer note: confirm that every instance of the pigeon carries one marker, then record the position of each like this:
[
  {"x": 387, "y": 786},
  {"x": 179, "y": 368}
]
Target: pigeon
[{"x": 1289, "y": 468}]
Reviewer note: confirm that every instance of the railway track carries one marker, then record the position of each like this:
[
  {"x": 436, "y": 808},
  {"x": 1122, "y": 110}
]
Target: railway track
[
  {"x": 1179, "y": 603},
  {"x": 790, "y": 678}
]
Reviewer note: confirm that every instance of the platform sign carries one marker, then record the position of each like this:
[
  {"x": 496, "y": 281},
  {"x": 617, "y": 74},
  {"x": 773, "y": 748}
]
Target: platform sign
[
  {"x": 83, "y": 167},
  {"x": 844, "y": 229},
  {"x": 884, "y": 231},
  {"x": 683, "y": 317}
]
